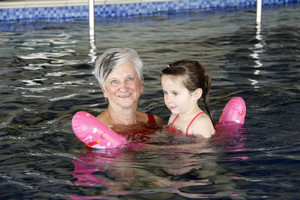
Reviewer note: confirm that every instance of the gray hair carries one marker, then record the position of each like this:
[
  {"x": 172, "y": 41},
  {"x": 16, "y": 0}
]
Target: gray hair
[{"x": 113, "y": 58}]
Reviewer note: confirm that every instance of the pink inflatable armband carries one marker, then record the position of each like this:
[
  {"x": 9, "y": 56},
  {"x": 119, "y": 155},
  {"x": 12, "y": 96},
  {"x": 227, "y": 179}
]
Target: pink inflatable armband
[
  {"x": 234, "y": 111},
  {"x": 94, "y": 133}
]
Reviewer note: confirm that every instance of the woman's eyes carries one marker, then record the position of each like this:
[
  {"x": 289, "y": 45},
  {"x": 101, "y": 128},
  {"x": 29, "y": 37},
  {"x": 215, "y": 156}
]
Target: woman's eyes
[{"x": 114, "y": 82}]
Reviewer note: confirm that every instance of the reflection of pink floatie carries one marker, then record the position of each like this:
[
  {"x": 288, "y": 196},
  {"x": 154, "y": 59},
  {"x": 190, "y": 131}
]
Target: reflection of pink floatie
[
  {"x": 94, "y": 133},
  {"x": 234, "y": 111}
]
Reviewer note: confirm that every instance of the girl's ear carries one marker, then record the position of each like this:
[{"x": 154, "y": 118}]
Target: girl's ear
[
  {"x": 103, "y": 90},
  {"x": 198, "y": 93}
]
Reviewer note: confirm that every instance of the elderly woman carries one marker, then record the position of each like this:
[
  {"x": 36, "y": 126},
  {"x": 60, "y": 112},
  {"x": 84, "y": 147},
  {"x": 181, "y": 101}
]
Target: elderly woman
[{"x": 119, "y": 72}]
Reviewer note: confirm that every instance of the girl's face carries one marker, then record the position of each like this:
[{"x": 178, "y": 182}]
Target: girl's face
[
  {"x": 123, "y": 87},
  {"x": 177, "y": 97}
]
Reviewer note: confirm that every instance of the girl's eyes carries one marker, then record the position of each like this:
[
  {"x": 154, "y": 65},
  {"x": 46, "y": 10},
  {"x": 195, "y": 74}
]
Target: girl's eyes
[{"x": 173, "y": 93}]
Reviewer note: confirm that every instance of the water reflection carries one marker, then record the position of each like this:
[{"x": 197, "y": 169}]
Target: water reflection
[
  {"x": 231, "y": 136},
  {"x": 92, "y": 54},
  {"x": 175, "y": 169},
  {"x": 257, "y": 50},
  {"x": 125, "y": 172}
]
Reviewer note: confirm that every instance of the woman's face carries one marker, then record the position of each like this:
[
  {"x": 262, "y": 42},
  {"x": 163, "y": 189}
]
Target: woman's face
[{"x": 123, "y": 87}]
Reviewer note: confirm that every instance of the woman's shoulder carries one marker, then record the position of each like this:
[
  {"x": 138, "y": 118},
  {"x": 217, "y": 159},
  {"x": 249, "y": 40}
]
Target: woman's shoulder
[
  {"x": 142, "y": 117},
  {"x": 159, "y": 121},
  {"x": 104, "y": 117},
  {"x": 145, "y": 117}
]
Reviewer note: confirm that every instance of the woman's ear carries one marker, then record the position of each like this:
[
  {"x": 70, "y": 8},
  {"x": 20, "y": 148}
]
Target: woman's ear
[
  {"x": 103, "y": 90},
  {"x": 198, "y": 93}
]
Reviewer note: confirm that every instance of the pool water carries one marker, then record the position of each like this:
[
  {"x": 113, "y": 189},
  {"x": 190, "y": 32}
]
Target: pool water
[{"x": 46, "y": 78}]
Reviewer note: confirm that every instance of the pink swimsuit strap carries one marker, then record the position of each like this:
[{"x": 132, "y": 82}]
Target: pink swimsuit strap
[
  {"x": 174, "y": 120},
  {"x": 190, "y": 122}
]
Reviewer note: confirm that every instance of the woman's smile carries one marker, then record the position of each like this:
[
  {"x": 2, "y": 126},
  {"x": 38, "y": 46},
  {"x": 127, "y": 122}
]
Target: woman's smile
[{"x": 125, "y": 95}]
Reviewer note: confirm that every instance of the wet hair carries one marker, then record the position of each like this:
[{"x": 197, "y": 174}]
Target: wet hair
[
  {"x": 113, "y": 58},
  {"x": 194, "y": 77}
]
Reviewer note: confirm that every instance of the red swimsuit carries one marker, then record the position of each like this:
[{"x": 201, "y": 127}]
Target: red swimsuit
[
  {"x": 151, "y": 120},
  {"x": 141, "y": 135},
  {"x": 176, "y": 131}
]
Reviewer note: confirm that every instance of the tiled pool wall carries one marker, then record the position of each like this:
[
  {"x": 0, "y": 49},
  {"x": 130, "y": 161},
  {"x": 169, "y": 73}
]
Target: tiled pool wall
[{"x": 115, "y": 8}]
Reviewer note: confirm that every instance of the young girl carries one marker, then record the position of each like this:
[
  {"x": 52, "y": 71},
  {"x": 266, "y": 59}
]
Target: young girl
[{"x": 184, "y": 83}]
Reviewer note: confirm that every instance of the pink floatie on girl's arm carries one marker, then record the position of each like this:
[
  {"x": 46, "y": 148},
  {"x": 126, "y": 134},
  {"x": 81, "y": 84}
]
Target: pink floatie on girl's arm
[
  {"x": 94, "y": 133},
  {"x": 234, "y": 111}
]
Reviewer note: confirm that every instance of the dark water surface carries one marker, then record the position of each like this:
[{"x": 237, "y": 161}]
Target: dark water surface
[{"x": 46, "y": 77}]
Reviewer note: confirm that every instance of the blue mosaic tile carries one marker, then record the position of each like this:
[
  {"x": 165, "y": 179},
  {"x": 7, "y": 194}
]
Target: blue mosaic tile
[{"x": 125, "y": 10}]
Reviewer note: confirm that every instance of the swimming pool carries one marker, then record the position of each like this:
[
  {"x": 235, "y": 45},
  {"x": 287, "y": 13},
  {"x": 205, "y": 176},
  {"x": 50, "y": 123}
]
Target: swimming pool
[{"x": 46, "y": 77}]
